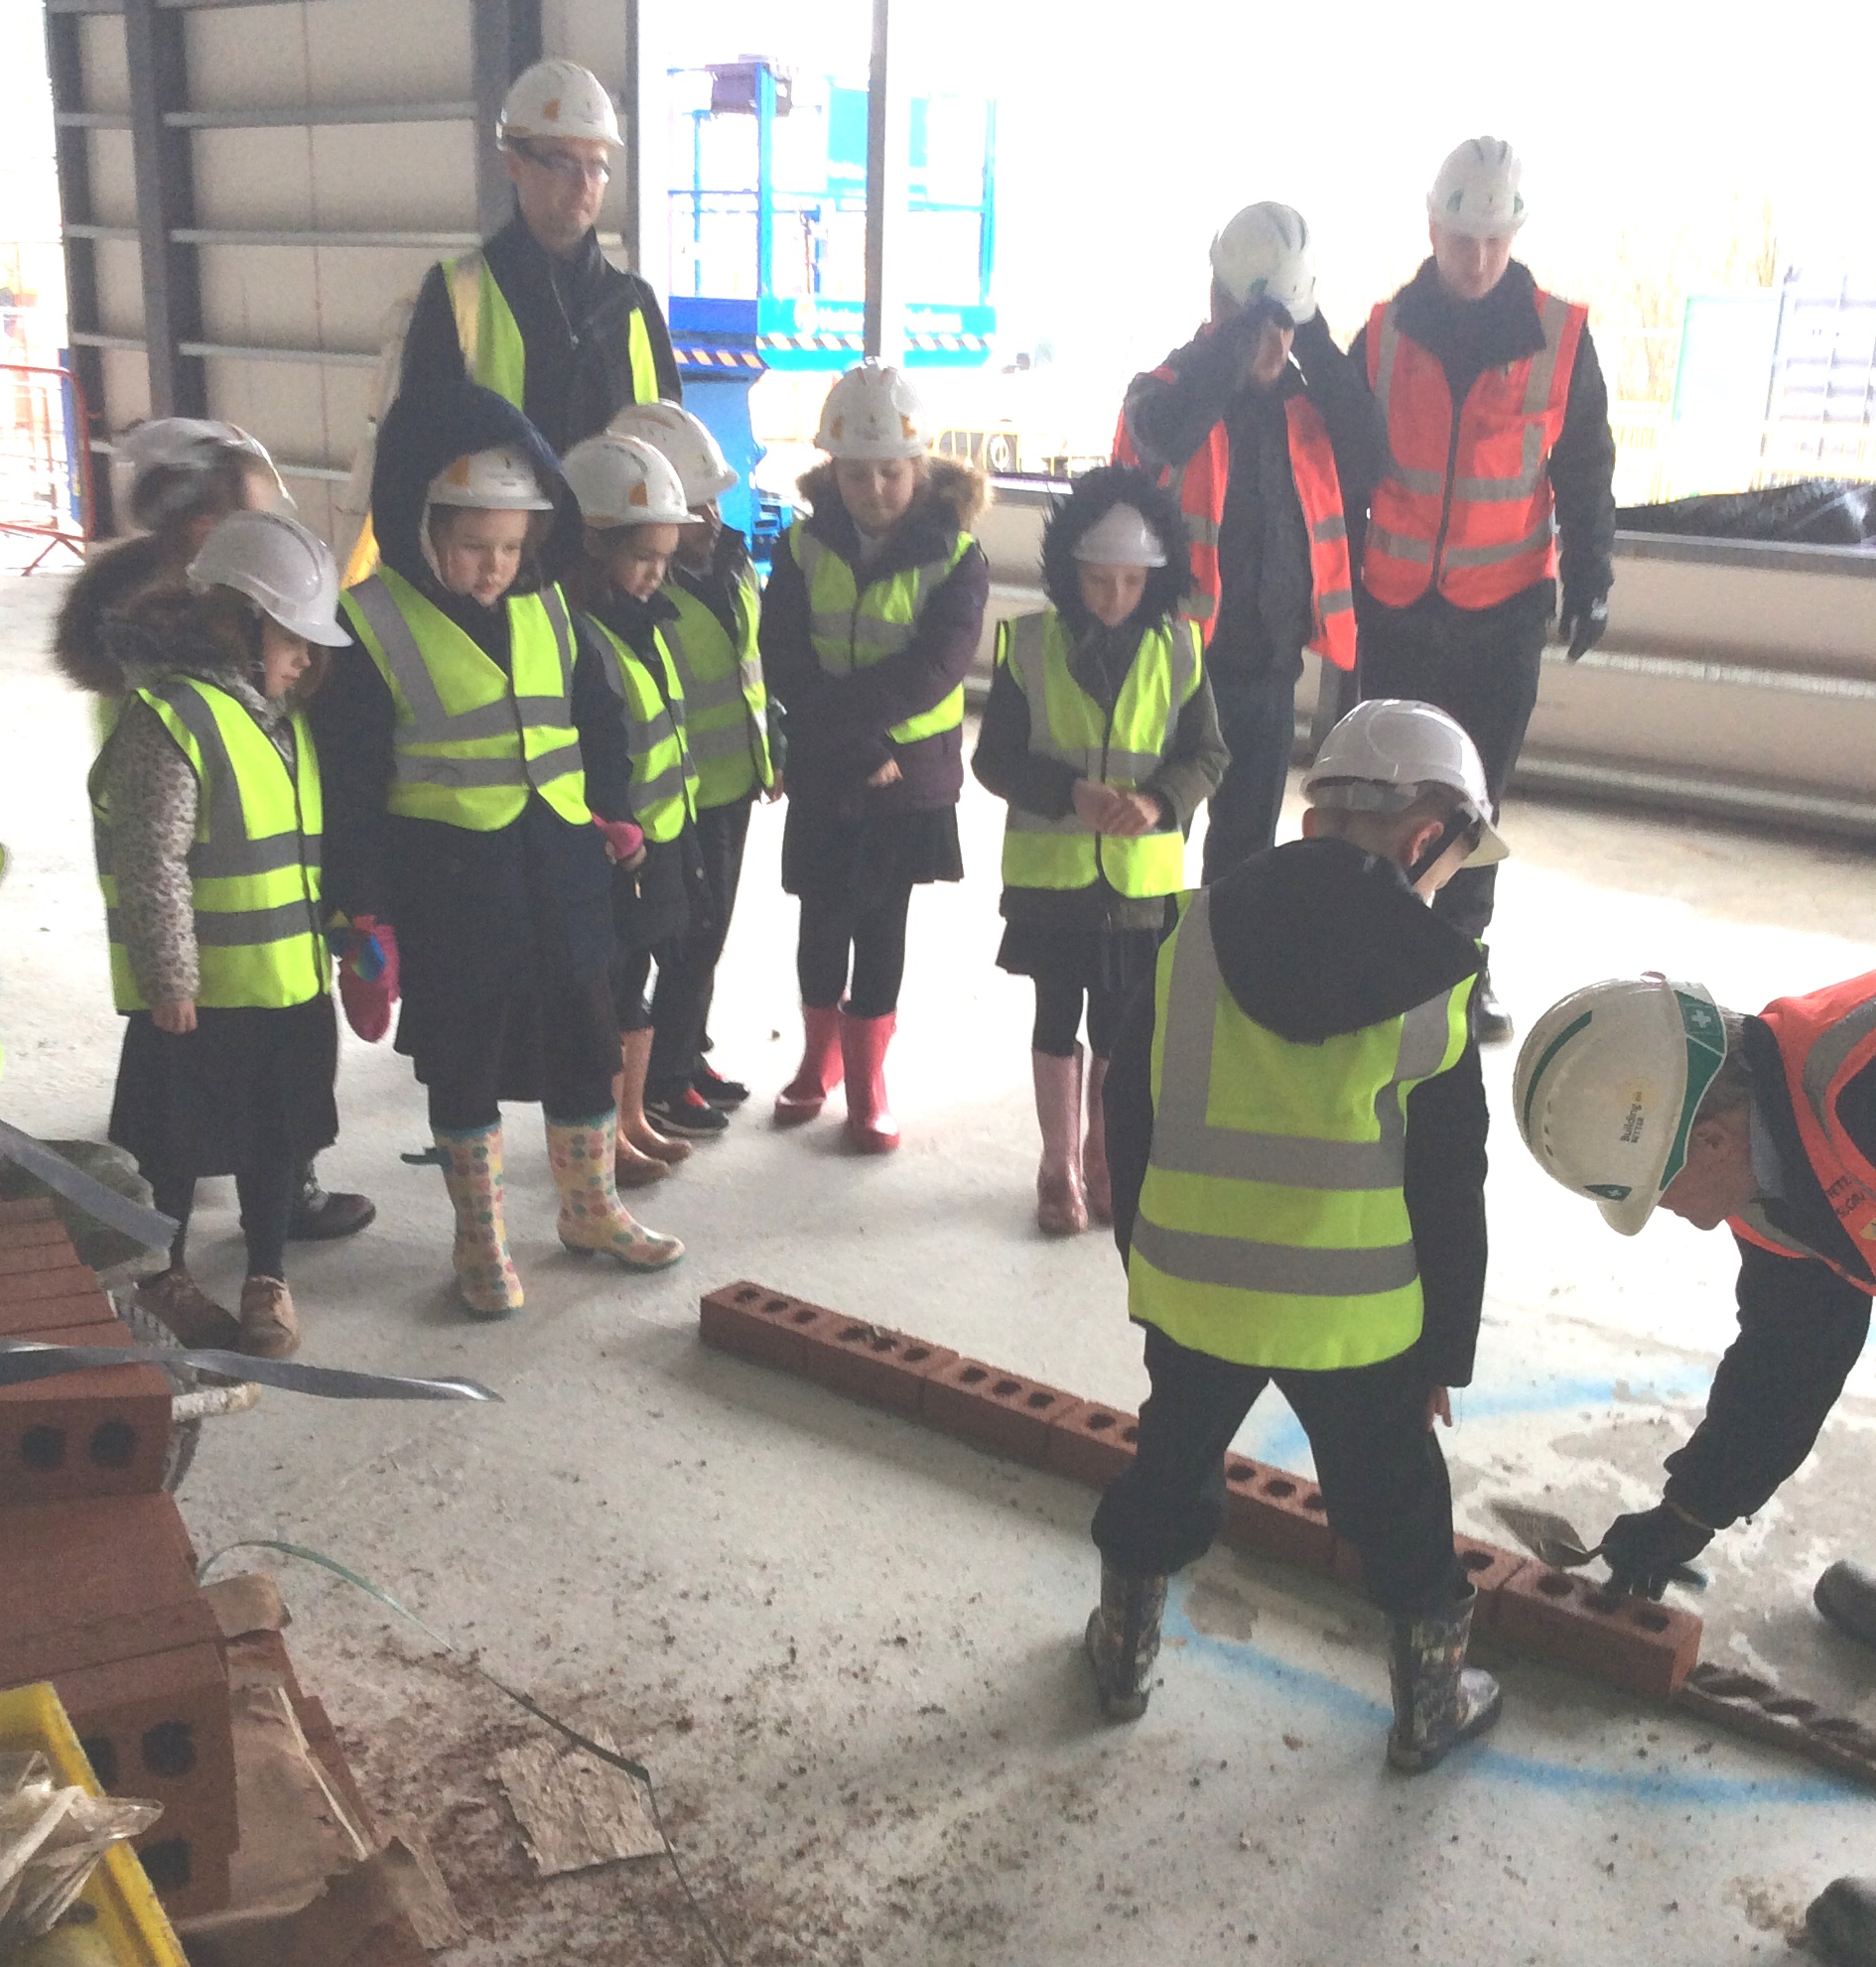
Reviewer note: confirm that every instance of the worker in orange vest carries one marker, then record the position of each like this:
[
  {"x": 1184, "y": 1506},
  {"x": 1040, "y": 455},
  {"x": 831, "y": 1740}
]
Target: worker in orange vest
[
  {"x": 1263, "y": 429},
  {"x": 1461, "y": 562}
]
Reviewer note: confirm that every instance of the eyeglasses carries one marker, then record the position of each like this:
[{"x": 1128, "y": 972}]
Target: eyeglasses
[{"x": 565, "y": 166}]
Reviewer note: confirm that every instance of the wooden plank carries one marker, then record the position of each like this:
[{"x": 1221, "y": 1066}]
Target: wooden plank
[{"x": 576, "y": 1812}]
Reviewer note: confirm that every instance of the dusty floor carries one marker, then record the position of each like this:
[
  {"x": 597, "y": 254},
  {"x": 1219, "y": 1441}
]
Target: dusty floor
[{"x": 849, "y": 1648}]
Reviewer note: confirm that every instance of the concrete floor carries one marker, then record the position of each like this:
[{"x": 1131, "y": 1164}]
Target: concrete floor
[{"x": 848, "y": 1649}]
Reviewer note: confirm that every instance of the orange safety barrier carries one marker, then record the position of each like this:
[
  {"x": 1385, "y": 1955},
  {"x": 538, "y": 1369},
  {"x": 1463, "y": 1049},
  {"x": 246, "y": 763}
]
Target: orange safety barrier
[{"x": 45, "y": 458}]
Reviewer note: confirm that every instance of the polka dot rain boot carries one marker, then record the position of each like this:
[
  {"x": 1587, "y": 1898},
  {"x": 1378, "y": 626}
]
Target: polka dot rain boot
[
  {"x": 484, "y": 1272},
  {"x": 592, "y": 1219}
]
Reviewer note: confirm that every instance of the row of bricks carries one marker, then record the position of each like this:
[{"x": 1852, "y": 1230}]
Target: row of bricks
[{"x": 1646, "y": 1648}]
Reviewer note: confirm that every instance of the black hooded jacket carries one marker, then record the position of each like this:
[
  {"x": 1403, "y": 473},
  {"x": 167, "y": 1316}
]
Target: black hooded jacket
[
  {"x": 575, "y": 317},
  {"x": 1467, "y": 338},
  {"x": 1315, "y": 938},
  {"x": 1003, "y": 762},
  {"x": 371, "y": 856}
]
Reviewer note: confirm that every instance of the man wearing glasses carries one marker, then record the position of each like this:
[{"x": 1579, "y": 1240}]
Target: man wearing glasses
[{"x": 537, "y": 314}]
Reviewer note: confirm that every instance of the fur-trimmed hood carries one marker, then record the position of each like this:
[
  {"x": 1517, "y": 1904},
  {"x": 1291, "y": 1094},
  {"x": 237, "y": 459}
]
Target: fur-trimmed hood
[
  {"x": 160, "y": 633},
  {"x": 1094, "y": 495},
  {"x": 950, "y": 500},
  {"x": 110, "y": 580}
]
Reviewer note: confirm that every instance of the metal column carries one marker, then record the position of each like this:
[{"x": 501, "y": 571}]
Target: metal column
[
  {"x": 506, "y": 37},
  {"x": 889, "y": 148},
  {"x": 165, "y": 203},
  {"x": 632, "y": 163}
]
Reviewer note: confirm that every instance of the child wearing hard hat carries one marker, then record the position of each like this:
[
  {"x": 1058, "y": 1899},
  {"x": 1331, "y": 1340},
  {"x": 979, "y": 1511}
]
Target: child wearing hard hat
[
  {"x": 207, "y": 806},
  {"x": 176, "y": 478},
  {"x": 476, "y": 765},
  {"x": 1100, "y": 732},
  {"x": 872, "y": 616},
  {"x": 733, "y": 729},
  {"x": 1297, "y": 1129},
  {"x": 632, "y": 505}
]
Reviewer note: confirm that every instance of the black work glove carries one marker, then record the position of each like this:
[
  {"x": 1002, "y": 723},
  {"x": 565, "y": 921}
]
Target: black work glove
[
  {"x": 1643, "y": 1552},
  {"x": 1581, "y": 626}
]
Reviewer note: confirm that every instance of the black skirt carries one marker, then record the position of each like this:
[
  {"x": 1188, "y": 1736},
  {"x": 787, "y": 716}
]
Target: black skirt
[
  {"x": 1094, "y": 958},
  {"x": 219, "y": 1099},
  {"x": 864, "y": 859}
]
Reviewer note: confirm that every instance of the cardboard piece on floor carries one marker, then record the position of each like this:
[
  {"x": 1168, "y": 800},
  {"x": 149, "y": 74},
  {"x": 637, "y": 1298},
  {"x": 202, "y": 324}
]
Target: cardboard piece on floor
[
  {"x": 391, "y": 1910},
  {"x": 576, "y": 1812}
]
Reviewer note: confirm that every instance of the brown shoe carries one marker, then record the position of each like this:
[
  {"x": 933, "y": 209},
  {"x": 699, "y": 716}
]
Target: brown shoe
[
  {"x": 269, "y": 1329},
  {"x": 176, "y": 1299}
]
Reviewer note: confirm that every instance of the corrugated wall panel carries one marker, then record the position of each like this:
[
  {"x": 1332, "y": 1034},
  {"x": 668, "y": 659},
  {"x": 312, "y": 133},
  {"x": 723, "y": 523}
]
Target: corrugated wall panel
[
  {"x": 106, "y": 68},
  {"x": 113, "y": 178},
  {"x": 119, "y": 295},
  {"x": 328, "y": 54}
]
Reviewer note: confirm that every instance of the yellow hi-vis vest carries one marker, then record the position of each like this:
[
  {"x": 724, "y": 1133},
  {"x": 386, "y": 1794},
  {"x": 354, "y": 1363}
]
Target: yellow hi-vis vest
[
  {"x": 725, "y": 703},
  {"x": 664, "y": 781},
  {"x": 1121, "y": 750},
  {"x": 854, "y": 627},
  {"x": 489, "y": 337},
  {"x": 1272, "y": 1225},
  {"x": 254, "y": 867},
  {"x": 471, "y": 742}
]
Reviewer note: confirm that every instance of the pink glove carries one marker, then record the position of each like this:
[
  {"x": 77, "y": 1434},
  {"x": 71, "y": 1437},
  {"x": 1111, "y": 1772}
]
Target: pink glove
[
  {"x": 367, "y": 978},
  {"x": 624, "y": 837}
]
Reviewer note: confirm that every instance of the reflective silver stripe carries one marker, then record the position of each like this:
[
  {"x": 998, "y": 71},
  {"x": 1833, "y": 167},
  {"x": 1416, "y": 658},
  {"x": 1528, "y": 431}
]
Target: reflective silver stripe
[
  {"x": 1185, "y": 1143},
  {"x": 1554, "y": 317},
  {"x": 555, "y": 607},
  {"x": 1430, "y": 484},
  {"x": 653, "y": 730},
  {"x": 1399, "y": 546},
  {"x": 1522, "y": 482},
  {"x": 432, "y": 722},
  {"x": 1338, "y": 600},
  {"x": 228, "y": 852},
  {"x": 718, "y": 742},
  {"x": 1235, "y": 1264},
  {"x": 1386, "y": 349},
  {"x": 1827, "y": 1055},
  {"x": 225, "y": 929},
  {"x": 1028, "y": 662},
  {"x": 1201, "y": 528},
  {"x": 1534, "y": 541},
  {"x": 266, "y": 856},
  {"x": 1334, "y": 527},
  {"x": 647, "y": 793},
  {"x": 418, "y": 768},
  {"x": 718, "y": 693},
  {"x": 1023, "y": 822}
]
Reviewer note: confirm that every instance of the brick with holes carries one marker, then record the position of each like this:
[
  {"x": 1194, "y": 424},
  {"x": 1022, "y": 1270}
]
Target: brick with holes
[
  {"x": 997, "y": 1409},
  {"x": 887, "y": 1368},
  {"x": 1275, "y": 1513},
  {"x": 1093, "y": 1443},
  {"x": 1486, "y": 1566},
  {"x": 104, "y": 1432},
  {"x": 1630, "y": 1643},
  {"x": 762, "y": 1325}
]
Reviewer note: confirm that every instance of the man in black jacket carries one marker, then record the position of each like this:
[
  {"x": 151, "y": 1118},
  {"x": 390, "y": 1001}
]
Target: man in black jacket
[
  {"x": 568, "y": 337},
  {"x": 1223, "y": 401},
  {"x": 1266, "y": 1237},
  {"x": 1498, "y": 445}
]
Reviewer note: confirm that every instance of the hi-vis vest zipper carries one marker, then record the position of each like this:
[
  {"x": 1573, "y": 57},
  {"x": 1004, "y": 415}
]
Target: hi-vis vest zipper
[
  {"x": 664, "y": 780},
  {"x": 855, "y": 626},
  {"x": 472, "y": 743},
  {"x": 725, "y": 701},
  {"x": 254, "y": 867},
  {"x": 1272, "y": 1225},
  {"x": 1124, "y": 750}
]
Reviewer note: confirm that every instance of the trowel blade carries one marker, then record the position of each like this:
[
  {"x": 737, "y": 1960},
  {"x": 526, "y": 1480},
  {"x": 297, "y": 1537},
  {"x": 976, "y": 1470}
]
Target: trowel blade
[{"x": 1546, "y": 1534}]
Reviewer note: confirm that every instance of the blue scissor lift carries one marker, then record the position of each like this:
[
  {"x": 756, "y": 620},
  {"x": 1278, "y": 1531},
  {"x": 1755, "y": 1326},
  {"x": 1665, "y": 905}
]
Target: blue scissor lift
[{"x": 767, "y": 245}]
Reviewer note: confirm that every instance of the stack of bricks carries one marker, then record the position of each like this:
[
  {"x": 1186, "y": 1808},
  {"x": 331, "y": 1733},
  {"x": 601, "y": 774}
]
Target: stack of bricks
[{"x": 1642, "y": 1648}]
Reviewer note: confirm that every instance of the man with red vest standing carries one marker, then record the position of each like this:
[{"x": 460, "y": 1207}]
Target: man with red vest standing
[
  {"x": 1642, "y": 1093},
  {"x": 1497, "y": 482},
  {"x": 1263, "y": 427}
]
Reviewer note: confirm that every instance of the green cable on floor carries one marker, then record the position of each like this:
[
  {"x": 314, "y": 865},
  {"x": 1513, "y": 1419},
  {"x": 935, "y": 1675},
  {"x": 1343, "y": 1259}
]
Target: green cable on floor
[{"x": 611, "y": 1756}]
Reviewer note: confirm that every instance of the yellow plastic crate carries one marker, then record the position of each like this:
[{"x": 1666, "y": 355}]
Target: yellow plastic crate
[{"x": 131, "y": 1929}]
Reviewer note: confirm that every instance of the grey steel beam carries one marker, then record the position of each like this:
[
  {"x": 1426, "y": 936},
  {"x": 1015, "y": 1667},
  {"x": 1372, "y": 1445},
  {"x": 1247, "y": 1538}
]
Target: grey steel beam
[
  {"x": 504, "y": 37},
  {"x": 172, "y": 296},
  {"x": 93, "y": 337},
  {"x": 198, "y": 235},
  {"x": 888, "y": 132},
  {"x": 231, "y": 351},
  {"x": 89, "y": 119},
  {"x": 295, "y": 117},
  {"x": 633, "y": 162},
  {"x": 94, "y": 232}
]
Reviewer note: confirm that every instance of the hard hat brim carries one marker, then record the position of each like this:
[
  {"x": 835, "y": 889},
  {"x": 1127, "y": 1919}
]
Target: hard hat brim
[
  {"x": 1490, "y": 847},
  {"x": 1629, "y": 1217}
]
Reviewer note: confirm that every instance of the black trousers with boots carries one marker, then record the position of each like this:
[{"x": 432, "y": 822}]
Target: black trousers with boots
[
  {"x": 1378, "y": 1465},
  {"x": 680, "y": 1005},
  {"x": 1481, "y": 667}
]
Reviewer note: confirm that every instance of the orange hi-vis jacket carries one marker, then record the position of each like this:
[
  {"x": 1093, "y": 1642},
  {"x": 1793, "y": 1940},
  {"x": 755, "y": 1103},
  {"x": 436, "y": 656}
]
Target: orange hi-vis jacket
[
  {"x": 1199, "y": 484},
  {"x": 1824, "y": 1041},
  {"x": 1464, "y": 504}
]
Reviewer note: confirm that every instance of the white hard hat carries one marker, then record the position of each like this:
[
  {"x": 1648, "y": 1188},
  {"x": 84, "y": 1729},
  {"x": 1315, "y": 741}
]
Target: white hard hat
[
  {"x": 1607, "y": 1086},
  {"x": 686, "y": 441},
  {"x": 1476, "y": 191},
  {"x": 1121, "y": 537},
  {"x": 279, "y": 564},
  {"x": 1395, "y": 746},
  {"x": 1263, "y": 253},
  {"x": 873, "y": 412},
  {"x": 499, "y": 481},
  {"x": 188, "y": 445},
  {"x": 558, "y": 98},
  {"x": 623, "y": 482}
]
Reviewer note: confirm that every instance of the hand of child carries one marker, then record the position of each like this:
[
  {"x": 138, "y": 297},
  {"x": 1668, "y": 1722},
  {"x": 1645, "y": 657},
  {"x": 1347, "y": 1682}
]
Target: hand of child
[
  {"x": 1093, "y": 805},
  {"x": 887, "y": 774},
  {"x": 1133, "y": 814},
  {"x": 1439, "y": 1406},
  {"x": 624, "y": 842},
  {"x": 178, "y": 1019},
  {"x": 776, "y": 789}
]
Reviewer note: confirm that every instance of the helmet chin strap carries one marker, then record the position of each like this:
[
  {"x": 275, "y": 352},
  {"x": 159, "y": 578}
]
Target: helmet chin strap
[{"x": 1458, "y": 824}]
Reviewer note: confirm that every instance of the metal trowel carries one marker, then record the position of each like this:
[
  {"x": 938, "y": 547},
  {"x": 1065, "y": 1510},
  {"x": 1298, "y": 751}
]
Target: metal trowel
[{"x": 1552, "y": 1539}]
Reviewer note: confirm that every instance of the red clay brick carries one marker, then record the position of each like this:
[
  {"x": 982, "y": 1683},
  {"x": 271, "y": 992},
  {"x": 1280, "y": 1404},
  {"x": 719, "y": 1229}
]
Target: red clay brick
[
  {"x": 102, "y": 1641},
  {"x": 1276, "y": 1514},
  {"x": 35, "y": 1234},
  {"x": 42, "y": 1315},
  {"x": 1092, "y": 1443},
  {"x": 65, "y": 1564},
  {"x": 104, "y": 1432},
  {"x": 64, "y": 1280},
  {"x": 884, "y": 1368},
  {"x": 29, "y": 1209},
  {"x": 1486, "y": 1565},
  {"x": 767, "y": 1327},
  {"x": 23, "y": 1259},
  {"x": 1628, "y": 1641},
  {"x": 997, "y": 1409}
]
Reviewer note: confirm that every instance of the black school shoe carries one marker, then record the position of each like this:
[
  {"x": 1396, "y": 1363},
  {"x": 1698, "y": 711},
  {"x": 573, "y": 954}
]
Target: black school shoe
[
  {"x": 682, "y": 1111},
  {"x": 727, "y": 1093},
  {"x": 321, "y": 1215}
]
